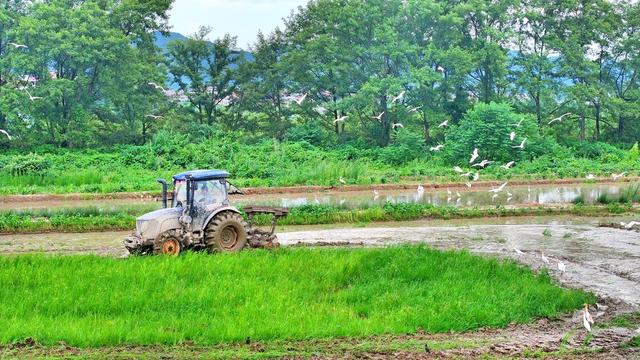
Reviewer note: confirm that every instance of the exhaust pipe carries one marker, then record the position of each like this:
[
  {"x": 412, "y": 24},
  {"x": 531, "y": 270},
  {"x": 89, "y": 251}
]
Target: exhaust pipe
[{"x": 164, "y": 192}]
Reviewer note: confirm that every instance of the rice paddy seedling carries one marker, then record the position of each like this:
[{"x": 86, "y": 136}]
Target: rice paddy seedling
[{"x": 286, "y": 294}]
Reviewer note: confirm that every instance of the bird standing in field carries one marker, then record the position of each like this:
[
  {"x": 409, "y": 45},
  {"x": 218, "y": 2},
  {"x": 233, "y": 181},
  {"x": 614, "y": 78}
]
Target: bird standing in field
[
  {"x": 468, "y": 184},
  {"x": 587, "y": 319},
  {"x": 156, "y": 86},
  {"x": 618, "y": 176},
  {"x": 590, "y": 177},
  {"x": 476, "y": 176},
  {"x": 562, "y": 267},
  {"x": 6, "y": 133},
  {"x": 544, "y": 258},
  {"x": 474, "y": 156},
  {"x": 399, "y": 97},
  {"x": 420, "y": 189},
  {"x": 437, "y": 148},
  {"x": 376, "y": 194},
  {"x": 342, "y": 181},
  {"x": 521, "y": 146}
]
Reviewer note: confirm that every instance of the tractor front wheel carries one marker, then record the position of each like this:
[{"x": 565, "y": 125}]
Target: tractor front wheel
[
  {"x": 167, "y": 243},
  {"x": 226, "y": 232}
]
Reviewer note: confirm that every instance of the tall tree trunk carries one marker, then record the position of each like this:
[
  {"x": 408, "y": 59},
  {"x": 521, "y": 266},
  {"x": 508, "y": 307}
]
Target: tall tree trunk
[
  {"x": 385, "y": 121},
  {"x": 620, "y": 127},
  {"x": 582, "y": 128},
  {"x": 598, "y": 114}
]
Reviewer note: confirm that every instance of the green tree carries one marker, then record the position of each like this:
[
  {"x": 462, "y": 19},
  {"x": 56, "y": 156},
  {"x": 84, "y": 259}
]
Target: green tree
[{"x": 204, "y": 71}]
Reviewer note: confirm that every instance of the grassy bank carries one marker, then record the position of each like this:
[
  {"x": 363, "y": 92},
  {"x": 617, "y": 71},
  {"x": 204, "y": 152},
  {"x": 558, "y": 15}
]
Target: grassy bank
[
  {"x": 267, "y": 295},
  {"x": 269, "y": 164},
  {"x": 123, "y": 218}
]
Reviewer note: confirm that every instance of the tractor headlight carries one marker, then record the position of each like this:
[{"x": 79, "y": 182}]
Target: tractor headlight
[{"x": 142, "y": 226}]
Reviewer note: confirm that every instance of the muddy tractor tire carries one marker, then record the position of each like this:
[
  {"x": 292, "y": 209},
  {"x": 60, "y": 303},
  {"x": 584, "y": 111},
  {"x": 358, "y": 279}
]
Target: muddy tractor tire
[
  {"x": 167, "y": 243},
  {"x": 226, "y": 232}
]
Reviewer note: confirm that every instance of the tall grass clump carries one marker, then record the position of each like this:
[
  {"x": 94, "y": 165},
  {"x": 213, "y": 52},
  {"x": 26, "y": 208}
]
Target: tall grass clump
[{"x": 284, "y": 294}]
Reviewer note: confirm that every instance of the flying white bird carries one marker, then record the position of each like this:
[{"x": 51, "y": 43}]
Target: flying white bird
[
  {"x": 521, "y": 146},
  {"x": 544, "y": 258},
  {"x": 476, "y": 176},
  {"x": 518, "y": 251},
  {"x": 302, "y": 98},
  {"x": 342, "y": 181},
  {"x": 590, "y": 177},
  {"x": 499, "y": 189},
  {"x": 414, "y": 109},
  {"x": 618, "y": 176},
  {"x": 467, "y": 174},
  {"x": 440, "y": 69},
  {"x": 518, "y": 124},
  {"x": 482, "y": 164},
  {"x": 558, "y": 119},
  {"x": 458, "y": 169},
  {"x": 512, "y": 136},
  {"x": 32, "y": 98},
  {"x": 379, "y": 117},
  {"x": 397, "y": 125},
  {"x": 437, "y": 148},
  {"x": 399, "y": 97},
  {"x": 17, "y": 46},
  {"x": 444, "y": 123},
  {"x": 474, "y": 156},
  {"x": 509, "y": 199},
  {"x": 562, "y": 267},
  {"x": 155, "y": 117},
  {"x": 320, "y": 110},
  {"x": 340, "y": 119},
  {"x": 508, "y": 165},
  {"x": 6, "y": 133},
  {"x": 158, "y": 87}
]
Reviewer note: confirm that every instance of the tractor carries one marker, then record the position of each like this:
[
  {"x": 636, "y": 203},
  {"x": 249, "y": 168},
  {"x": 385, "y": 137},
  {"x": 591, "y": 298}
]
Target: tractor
[{"x": 201, "y": 218}]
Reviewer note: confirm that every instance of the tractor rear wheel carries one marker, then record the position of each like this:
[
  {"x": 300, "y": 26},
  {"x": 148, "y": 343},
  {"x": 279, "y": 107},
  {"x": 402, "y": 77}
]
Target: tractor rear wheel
[
  {"x": 226, "y": 232},
  {"x": 167, "y": 243}
]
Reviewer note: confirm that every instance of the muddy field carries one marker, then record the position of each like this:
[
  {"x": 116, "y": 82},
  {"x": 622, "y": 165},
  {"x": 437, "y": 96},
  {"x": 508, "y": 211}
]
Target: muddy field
[{"x": 603, "y": 260}]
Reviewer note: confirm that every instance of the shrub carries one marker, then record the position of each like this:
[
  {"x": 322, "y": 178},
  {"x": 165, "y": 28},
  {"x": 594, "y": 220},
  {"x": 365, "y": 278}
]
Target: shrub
[
  {"x": 487, "y": 127},
  {"x": 30, "y": 164}
]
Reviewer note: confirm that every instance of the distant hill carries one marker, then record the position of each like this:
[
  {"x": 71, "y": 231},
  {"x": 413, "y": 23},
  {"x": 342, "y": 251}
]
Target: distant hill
[{"x": 163, "y": 41}]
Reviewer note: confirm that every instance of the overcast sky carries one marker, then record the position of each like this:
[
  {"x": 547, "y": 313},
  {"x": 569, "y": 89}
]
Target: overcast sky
[{"x": 242, "y": 18}]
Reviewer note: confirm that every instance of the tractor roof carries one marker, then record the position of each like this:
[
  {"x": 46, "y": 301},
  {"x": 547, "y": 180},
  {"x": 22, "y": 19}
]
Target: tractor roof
[{"x": 202, "y": 175}]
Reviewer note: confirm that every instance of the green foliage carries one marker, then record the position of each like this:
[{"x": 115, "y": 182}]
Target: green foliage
[
  {"x": 335, "y": 292},
  {"x": 30, "y": 164},
  {"x": 406, "y": 146},
  {"x": 487, "y": 127}
]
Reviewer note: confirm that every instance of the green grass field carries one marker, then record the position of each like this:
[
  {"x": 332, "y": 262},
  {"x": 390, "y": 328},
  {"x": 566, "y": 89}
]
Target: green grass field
[{"x": 288, "y": 294}]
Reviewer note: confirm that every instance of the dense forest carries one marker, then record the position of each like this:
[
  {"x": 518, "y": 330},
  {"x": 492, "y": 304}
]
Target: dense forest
[{"x": 388, "y": 80}]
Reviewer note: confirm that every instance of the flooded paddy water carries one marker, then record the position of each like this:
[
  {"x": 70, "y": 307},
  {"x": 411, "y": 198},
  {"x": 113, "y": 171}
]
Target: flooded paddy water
[{"x": 461, "y": 197}]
